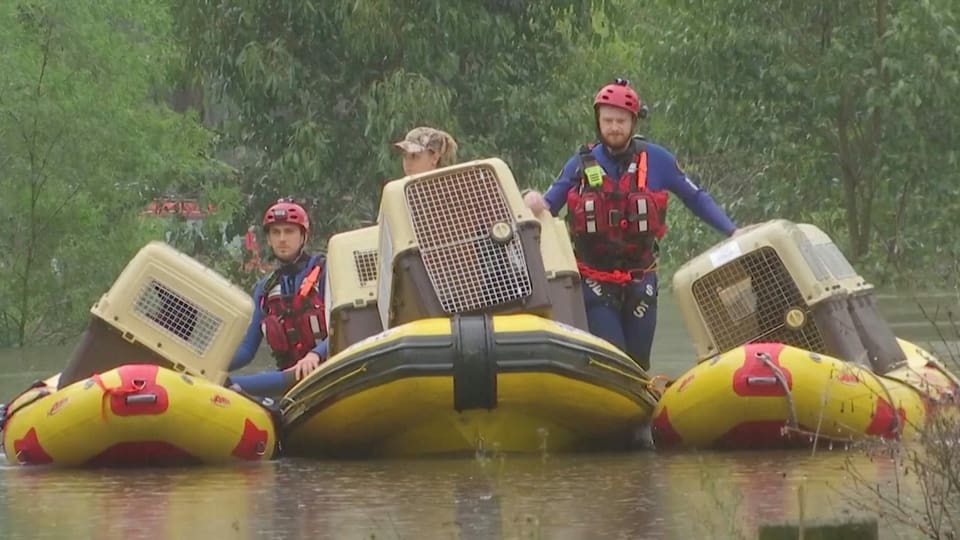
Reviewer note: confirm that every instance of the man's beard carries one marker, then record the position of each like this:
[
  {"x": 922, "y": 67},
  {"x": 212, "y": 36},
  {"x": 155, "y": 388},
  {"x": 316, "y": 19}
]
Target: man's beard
[{"x": 621, "y": 144}]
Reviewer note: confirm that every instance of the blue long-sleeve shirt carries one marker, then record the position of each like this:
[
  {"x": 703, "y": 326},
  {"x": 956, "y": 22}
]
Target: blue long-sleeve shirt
[
  {"x": 269, "y": 382},
  {"x": 663, "y": 173}
]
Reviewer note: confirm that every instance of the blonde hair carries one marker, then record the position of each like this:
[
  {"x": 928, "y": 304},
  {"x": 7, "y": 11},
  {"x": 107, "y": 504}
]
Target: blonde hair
[
  {"x": 448, "y": 150},
  {"x": 435, "y": 140}
]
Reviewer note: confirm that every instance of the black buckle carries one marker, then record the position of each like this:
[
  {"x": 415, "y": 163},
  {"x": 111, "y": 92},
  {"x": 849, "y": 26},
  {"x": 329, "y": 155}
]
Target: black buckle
[{"x": 615, "y": 217}]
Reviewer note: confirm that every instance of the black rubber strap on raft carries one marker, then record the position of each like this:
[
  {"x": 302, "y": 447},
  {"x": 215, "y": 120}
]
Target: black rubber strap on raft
[{"x": 474, "y": 364}]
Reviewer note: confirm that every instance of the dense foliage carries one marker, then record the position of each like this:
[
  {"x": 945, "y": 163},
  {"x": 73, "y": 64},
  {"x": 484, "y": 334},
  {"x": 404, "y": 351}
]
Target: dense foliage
[
  {"x": 838, "y": 113},
  {"x": 85, "y": 139}
]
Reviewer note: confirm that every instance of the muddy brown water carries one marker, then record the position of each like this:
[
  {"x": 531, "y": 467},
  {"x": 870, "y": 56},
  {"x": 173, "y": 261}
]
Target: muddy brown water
[{"x": 632, "y": 495}]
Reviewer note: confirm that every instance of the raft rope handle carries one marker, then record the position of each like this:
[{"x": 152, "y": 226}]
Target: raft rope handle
[
  {"x": 593, "y": 362},
  {"x": 650, "y": 384},
  {"x": 778, "y": 374},
  {"x": 8, "y": 408},
  {"x": 135, "y": 386},
  {"x": 654, "y": 385},
  {"x": 290, "y": 402},
  {"x": 945, "y": 394}
]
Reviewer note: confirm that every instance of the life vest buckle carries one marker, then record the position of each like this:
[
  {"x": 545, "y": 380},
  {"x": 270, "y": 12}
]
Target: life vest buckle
[{"x": 615, "y": 218}]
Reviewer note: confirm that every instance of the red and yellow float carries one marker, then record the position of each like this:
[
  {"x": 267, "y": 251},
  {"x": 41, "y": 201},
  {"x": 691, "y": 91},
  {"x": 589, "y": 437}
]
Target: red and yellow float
[
  {"x": 136, "y": 414},
  {"x": 765, "y": 395}
]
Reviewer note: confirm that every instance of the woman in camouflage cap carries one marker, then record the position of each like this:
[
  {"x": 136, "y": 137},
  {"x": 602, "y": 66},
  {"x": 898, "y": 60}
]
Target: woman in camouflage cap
[{"x": 426, "y": 148}]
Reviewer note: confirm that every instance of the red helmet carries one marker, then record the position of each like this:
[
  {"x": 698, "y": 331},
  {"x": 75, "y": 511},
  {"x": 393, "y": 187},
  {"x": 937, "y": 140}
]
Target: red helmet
[
  {"x": 619, "y": 94},
  {"x": 286, "y": 211}
]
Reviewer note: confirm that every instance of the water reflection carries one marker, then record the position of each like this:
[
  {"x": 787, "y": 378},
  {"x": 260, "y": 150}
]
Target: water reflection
[
  {"x": 44, "y": 503},
  {"x": 732, "y": 495},
  {"x": 641, "y": 495},
  {"x": 513, "y": 497}
]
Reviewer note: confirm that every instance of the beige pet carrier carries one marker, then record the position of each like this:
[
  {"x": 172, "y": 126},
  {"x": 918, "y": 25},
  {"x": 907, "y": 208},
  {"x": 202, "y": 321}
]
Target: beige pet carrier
[
  {"x": 351, "y": 288},
  {"x": 874, "y": 331},
  {"x": 461, "y": 240},
  {"x": 777, "y": 282},
  {"x": 165, "y": 308}
]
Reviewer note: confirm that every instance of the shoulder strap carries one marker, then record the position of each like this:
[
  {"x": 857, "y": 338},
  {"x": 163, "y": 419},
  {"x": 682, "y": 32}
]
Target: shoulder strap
[
  {"x": 590, "y": 171},
  {"x": 268, "y": 283},
  {"x": 638, "y": 158}
]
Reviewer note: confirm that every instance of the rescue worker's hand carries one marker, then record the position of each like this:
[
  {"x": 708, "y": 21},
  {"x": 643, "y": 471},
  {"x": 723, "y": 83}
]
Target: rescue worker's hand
[
  {"x": 306, "y": 364},
  {"x": 535, "y": 201}
]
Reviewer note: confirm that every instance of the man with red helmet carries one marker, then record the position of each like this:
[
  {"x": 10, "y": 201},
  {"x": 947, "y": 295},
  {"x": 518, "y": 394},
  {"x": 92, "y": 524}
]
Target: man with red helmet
[
  {"x": 289, "y": 310},
  {"x": 616, "y": 198}
]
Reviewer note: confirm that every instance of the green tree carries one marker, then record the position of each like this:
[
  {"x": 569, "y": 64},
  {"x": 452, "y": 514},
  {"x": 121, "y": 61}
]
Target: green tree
[
  {"x": 321, "y": 89},
  {"x": 84, "y": 141},
  {"x": 842, "y": 113}
]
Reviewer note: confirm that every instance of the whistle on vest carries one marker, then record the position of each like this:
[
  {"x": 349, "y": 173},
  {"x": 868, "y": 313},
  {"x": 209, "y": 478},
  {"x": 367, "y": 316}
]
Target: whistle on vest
[{"x": 594, "y": 174}]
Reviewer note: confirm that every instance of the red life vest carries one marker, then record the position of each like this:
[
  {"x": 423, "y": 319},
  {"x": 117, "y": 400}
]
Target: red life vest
[
  {"x": 615, "y": 224},
  {"x": 294, "y": 325}
]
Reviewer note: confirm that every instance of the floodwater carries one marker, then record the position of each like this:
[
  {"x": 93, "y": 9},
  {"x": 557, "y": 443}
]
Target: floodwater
[{"x": 632, "y": 495}]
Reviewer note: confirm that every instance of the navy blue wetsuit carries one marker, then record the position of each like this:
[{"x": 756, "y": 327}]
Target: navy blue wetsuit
[
  {"x": 626, "y": 316},
  {"x": 273, "y": 382}
]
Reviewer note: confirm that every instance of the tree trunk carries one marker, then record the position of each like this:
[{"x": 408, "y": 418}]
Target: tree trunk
[
  {"x": 849, "y": 177},
  {"x": 869, "y": 150},
  {"x": 895, "y": 246}
]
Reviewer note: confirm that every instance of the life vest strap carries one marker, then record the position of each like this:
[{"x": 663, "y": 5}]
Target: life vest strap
[{"x": 616, "y": 276}]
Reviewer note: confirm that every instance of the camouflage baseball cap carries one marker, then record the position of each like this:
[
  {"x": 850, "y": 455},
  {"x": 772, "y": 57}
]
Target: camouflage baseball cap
[{"x": 419, "y": 139}]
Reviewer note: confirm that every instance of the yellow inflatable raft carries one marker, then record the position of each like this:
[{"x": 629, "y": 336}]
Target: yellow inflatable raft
[
  {"x": 457, "y": 325},
  {"x": 792, "y": 349},
  {"x": 136, "y": 415},
  {"x": 144, "y": 385},
  {"x": 774, "y": 395},
  {"x": 512, "y": 383}
]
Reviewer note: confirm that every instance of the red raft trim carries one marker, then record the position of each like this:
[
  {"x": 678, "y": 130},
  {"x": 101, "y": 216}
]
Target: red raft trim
[
  {"x": 143, "y": 453},
  {"x": 253, "y": 442},
  {"x": 29, "y": 451}
]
